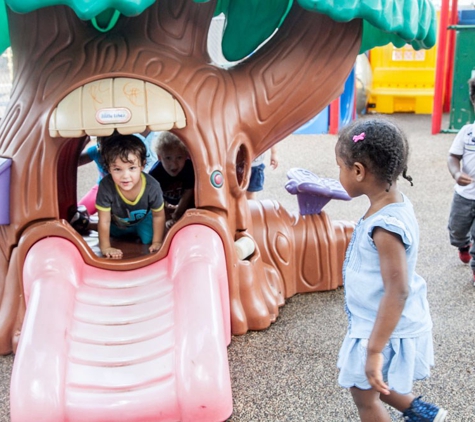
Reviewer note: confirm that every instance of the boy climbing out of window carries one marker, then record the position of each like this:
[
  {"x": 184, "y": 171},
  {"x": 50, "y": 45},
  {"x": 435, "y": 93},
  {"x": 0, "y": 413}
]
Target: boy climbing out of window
[{"x": 128, "y": 201}]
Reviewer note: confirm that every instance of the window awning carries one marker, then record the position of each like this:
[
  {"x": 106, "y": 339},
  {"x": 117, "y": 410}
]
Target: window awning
[{"x": 126, "y": 104}]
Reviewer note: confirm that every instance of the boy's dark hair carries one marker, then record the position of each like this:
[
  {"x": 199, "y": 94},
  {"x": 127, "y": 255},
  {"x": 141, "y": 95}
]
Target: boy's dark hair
[
  {"x": 471, "y": 91},
  {"x": 120, "y": 146},
  {"x": 380, "y": 146}
]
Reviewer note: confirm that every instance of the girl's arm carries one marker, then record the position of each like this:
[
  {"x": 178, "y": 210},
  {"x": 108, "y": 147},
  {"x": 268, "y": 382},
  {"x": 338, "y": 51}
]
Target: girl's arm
[
  {"x": 158, "y": 222},
  {"x": 392, "y": 257},
  {"x": 103, "y": 230}
]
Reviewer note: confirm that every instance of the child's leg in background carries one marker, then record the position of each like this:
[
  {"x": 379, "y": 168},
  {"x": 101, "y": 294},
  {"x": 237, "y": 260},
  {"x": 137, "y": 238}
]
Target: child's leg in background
[
  {"x": 460, "y": 221},
  {"x": 89, "y": 200},
  {"x": 256, "y": 181},
  {"x": 370, "y": 407},
  {"x": 472, "y": 235}
]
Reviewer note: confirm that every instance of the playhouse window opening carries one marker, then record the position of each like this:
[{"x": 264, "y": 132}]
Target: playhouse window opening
[
  {"x": 85, "y": 219},
  {"x": 242, "y": 166}
]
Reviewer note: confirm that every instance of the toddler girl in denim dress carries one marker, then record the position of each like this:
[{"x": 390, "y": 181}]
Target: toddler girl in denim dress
[{"x": 388, "y": 344}]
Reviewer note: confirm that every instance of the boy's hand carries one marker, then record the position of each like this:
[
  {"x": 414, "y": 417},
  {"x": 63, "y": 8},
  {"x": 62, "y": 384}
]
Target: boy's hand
[
  {"x": 374, "y": 364},
  {"x": 170, "y": 206},
  {"x": 155, "y": 246},
  {"x": 112, "y": 253},
  {"x": 462, "y": 179},
  {"x": 169, "y": 224}
]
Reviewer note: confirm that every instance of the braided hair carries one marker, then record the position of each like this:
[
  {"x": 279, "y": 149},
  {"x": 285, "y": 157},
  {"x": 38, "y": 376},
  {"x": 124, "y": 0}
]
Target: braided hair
[{"x": 379, "y": 145}]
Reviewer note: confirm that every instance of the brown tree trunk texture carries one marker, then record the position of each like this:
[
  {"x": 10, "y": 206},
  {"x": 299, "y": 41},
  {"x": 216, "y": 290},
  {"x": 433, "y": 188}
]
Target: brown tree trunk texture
[
  {"x": 255, "y": 104},
  {"x": 307, "y": 251}
]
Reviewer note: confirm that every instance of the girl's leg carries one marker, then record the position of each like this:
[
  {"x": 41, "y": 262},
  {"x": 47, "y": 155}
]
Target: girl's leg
[
  {"x": 398, "y": 401},
  {"x": 369, "y": 404},
  {"x": 415, "y": 409}
]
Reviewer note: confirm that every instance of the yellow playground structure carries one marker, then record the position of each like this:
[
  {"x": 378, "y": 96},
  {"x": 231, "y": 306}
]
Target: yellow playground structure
[{"x": 403, "y": 80}]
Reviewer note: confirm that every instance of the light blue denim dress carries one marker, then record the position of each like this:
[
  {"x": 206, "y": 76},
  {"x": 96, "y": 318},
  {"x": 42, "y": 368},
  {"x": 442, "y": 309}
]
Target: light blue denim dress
[{"x": 409, "y": 354}]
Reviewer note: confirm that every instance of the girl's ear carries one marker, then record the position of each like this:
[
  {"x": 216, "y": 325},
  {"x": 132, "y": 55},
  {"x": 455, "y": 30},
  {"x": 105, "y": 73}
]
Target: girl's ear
[{"x": 360, "y": 171}]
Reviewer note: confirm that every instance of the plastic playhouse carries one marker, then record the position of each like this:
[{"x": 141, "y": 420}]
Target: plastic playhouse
[{"x": 145, "y": 338}]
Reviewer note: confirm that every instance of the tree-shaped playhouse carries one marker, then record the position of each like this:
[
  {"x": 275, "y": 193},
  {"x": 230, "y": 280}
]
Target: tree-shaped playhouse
[{"x": 91, "y": 67}]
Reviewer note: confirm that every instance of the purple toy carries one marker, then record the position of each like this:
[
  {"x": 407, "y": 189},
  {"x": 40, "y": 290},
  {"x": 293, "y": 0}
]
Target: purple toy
[
  {"x": 5, "y": 167},
  {"x": 313, "y": 192}
]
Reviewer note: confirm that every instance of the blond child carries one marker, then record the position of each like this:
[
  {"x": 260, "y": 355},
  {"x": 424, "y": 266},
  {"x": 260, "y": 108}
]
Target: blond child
[{"x": 174, "y": 171}]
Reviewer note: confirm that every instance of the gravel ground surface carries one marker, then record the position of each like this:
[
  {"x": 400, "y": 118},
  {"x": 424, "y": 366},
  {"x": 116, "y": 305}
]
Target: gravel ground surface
[{"x": 288, "y": 372}]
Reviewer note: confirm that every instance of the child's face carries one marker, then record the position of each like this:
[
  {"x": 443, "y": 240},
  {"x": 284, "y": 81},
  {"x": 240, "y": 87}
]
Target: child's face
[
  {"x": 173, "y": 160},
  {"x": 347, "y": 177},
  {"x": 126, "y": 175}
]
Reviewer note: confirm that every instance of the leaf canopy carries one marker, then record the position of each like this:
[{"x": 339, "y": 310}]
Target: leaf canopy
[{"x": 250, "y": 22}]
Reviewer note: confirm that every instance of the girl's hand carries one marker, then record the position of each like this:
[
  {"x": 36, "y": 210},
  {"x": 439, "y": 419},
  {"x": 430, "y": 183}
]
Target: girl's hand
[
  {"x": 112, "y": 253},
  {"x": 374, "y": 365},
  {"x": 155, "y": 246}
]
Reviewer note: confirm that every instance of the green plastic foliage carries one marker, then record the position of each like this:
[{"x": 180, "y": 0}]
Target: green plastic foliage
[
  {"x": 249, "y": 23},
  {"x": 221, "y": 5},
  {"x": 106, "y": 20},
  {"x": 4, "y": 34},
  {"x": 84, "y": 9},
  {"x": 396, "y": 21}
]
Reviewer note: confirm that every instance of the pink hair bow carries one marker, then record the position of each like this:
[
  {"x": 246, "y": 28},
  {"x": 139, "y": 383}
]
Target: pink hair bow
[{"x": 359, "y": 137}]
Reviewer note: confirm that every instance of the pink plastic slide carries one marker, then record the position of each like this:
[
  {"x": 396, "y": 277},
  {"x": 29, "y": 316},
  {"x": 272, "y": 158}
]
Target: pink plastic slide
[{"x": 143, "y": 345}]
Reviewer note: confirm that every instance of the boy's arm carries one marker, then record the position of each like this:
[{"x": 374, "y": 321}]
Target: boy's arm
[
  {"x": 393, "y": 266},
  {"x": 183, "y": 204},
  {"x": 103, "y": 229},
  {"x": 453, "y": 163},
  {"x": 84, "y": 158},
  {"x": 158, "y": 222}
]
